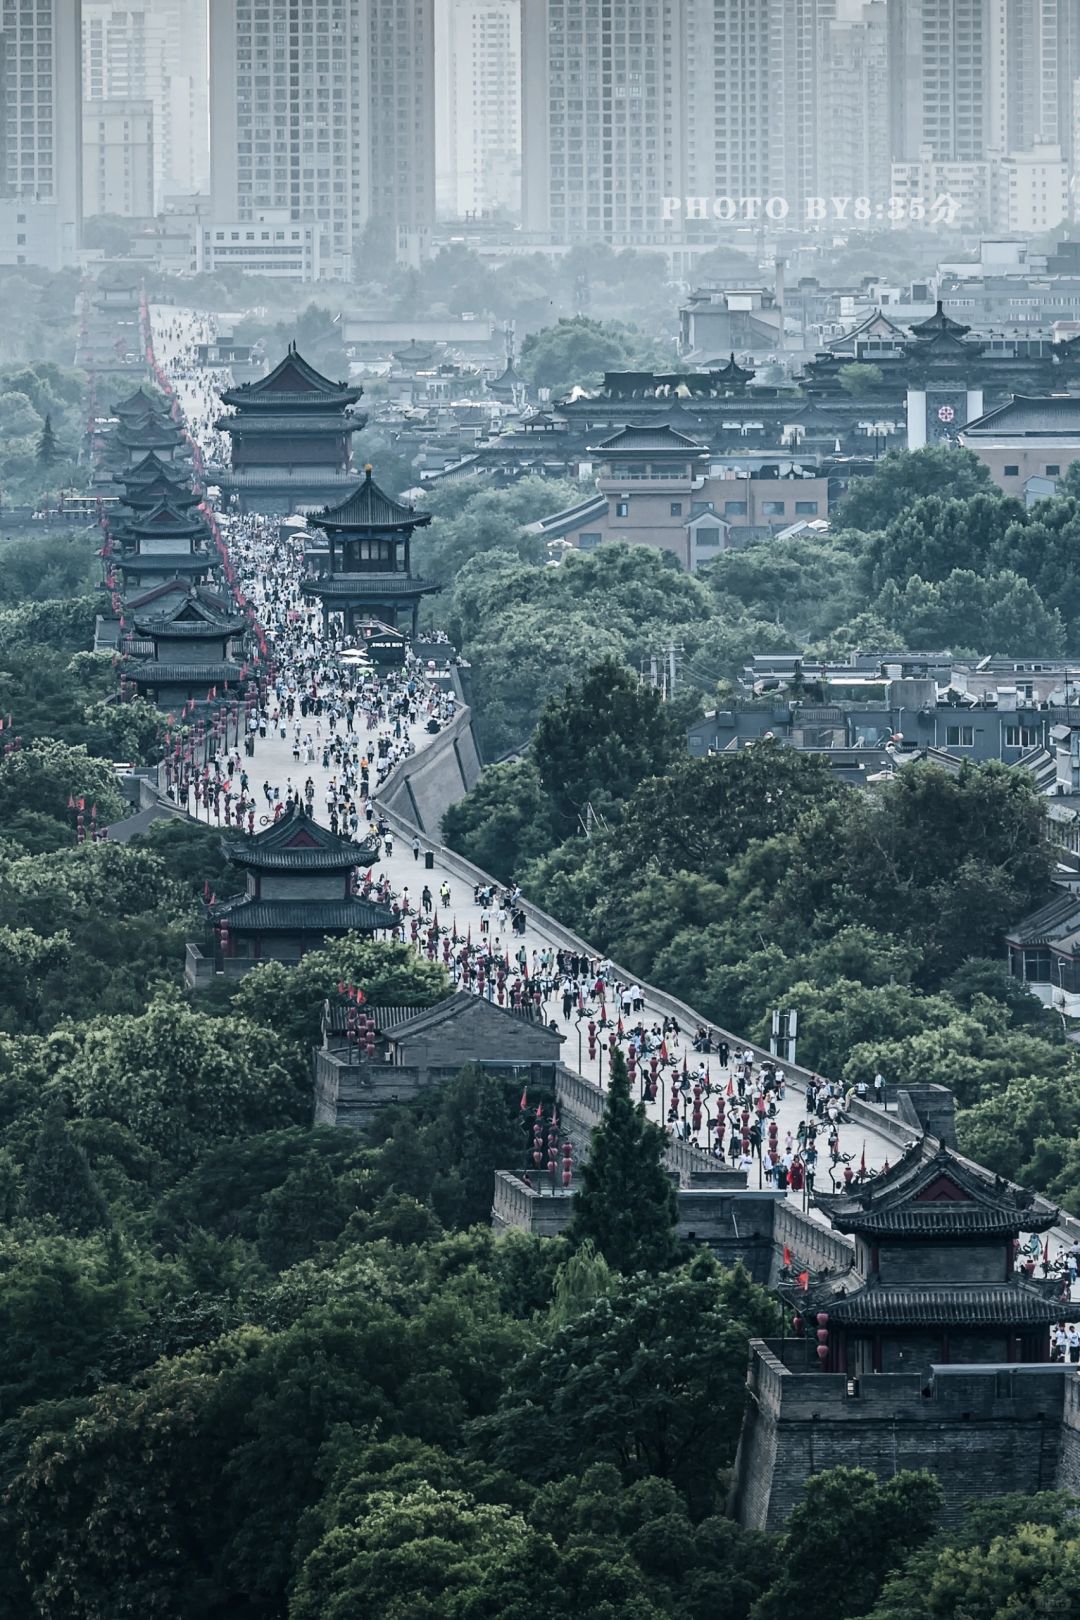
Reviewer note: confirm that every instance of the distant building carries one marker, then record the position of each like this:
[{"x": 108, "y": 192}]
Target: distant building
[
  {"x": 118, "y": 158},
  {"x": 271, "y": 243},
  {"x": 478, "y": 107},
  {"x": 41, "y": 167},
  {"x": 1030, "y": 190},
  {"x": 1030, "y": 437}
]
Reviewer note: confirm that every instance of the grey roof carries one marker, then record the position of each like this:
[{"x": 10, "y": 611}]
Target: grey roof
[
  {"x": 933, "y": 1191},
  {"x": 151, "y": 673},
  {"x": 386, "y": 1018},
  {"x": 293, "y": 380},
  {"x": 295, "y": 841},
  {"x": 363, "y": 586},
  {"x": 462, "y": 1001},
  {"x": 369, "y": 507},
  {"x": 951, "y": 1304},
  {"x": 570, "y": 518},
  {"x": 166, "y": 562},
  {"x": 306, "y": 916},
  {"x": 657, "y": 438},
  {"x": 1039, "y": 415},
  {"x": 1059, "y": 915}
]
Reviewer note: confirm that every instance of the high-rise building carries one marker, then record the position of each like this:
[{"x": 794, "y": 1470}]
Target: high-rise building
[
  {"x": 1034, "y": 63},
  {"x": 41, "y": 109},
  {"x": 601, "y": 117},
  {"x": 853, "y": 113},
  {"x": 322, "y": 111},
  {"x": 401, "y": 95},
  {"x": 941, "y": 71},
  {"x": 798, "y": 34},
  {"x": 722, "y": 78},
  {"x": 478, "y": 107},
  {"x": 118, "y": 158},
  {"x": 156, "y": 51}
]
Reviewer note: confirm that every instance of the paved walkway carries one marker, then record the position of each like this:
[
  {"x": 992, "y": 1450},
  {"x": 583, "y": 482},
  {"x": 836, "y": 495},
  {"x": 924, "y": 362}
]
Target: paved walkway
[{"x": 174, "y": 332}]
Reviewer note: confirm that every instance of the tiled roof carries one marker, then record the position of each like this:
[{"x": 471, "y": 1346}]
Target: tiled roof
[
  {"x": 1032, "y": 414},
  {"x": 366, "y": 585},
  {"x": 386, "y": 1018},
  {"x": 951, "y": 1304},
  {"x": 166, "y": 562},
  {"x": 293, "y": 378},
  {"x": 191, "y": 629},
  {"x": 309, "y": 916},
  {"x": 939, "y": 322},
  {"x": 296, "y": 840},
  {"x": 453, "y": 1006},
  {"x": 369, "y": 507},
  {"x": 935, "y": 1191},
  {"x": 661, "y": 437},
  {"x": 151, "y": 673},
  {"x": 1060, "y": 913}
]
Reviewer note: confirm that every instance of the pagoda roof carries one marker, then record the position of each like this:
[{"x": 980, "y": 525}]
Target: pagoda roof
[
  {"x": 944, "y": 342},
  {"x": 183, "y": 587},
  {"x": 415, "y": 353},
  {"x": 364, "y": 586},
  {"x": 151, "y": 466},
  {"x": 154, "y": 672},
  {"x": 368, "y": 507},
  {"x": 948, "y": 1305},
  {"x": 170, "y": 563},
  {"x": 140, "y": 403},
  {"x": 297, "y": 842},
  {"x": 348, "y": 915},
  {"x": 268, "y": 424},
  {"x": 732, "y": 371},
  {"x": 661, "y": 438},
  {"x": 164, "y": 518},
  {"x": 935, "y": 1193},
  {"x": 293, "y": 382},
  {"x": 191, "y": 618},
  {"x": 876, "y": 322},
  {"x": 939, "y": 322},
  {"x": 146, "y": 432},
  {"x": 152, "y": 491}
]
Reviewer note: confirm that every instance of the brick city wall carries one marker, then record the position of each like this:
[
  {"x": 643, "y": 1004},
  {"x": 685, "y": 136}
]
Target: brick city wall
[{"x": 981, "y": 1430}]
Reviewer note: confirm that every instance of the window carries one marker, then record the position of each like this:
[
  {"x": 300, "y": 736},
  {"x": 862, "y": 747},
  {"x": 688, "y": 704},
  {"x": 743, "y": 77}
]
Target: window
[
  {"x": 734, "y": 509},
  {"x": 676, "y": 509},
  {"x": 622, "y": 508},
  {"x": 773, "y": 508},
  {"x": 1011, "y": 469},
  {"x": 1021, "y": 737},
  {"x": 959, "y": 736},
  {"x": 1053, "y": 468},
  {"x": 1037, "y": 968},
  {"x": 588, "y": 541},
  {"x": 806, "y": 508}
]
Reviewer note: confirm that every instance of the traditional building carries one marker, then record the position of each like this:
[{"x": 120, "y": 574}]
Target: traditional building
[
  {"x": 291, "y": 434},
  {"x": 152, "y": 481},
  {"x": 372, "y": 1056},
  {"x": 300, "y": 890},
  {"x": 161, "y": 544},
  {"x": 368, "y": 574},
  {"x": 189, "y": 661},
  {"x": 135, "y": 438},
  {"x": 907, "y": 1357},
  {"x": 138, "y": 404}
]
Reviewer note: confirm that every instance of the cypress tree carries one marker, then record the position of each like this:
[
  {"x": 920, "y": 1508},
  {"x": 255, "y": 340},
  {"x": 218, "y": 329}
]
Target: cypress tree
[
  {"x": 48, "y": 450},
  {"x": 626, "y": 1204},
  {"x": 60, "y": 1182}
]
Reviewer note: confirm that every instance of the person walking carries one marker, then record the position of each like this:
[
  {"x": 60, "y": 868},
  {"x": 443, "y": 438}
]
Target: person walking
[{"x": 416, "y": 849}]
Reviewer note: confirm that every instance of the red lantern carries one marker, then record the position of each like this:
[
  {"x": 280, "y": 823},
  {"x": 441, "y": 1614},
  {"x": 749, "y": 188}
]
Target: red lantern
[
  {"x": 823, "y": 1335},
  {"x": 823, "y": 1353},
  {"x": 797, "y": 1325},
  {"x": 822, "y": 1318}
]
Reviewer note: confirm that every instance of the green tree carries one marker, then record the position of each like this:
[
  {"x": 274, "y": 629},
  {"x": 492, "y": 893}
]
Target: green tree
[
  {"x": 576, "y": 352},
  {"x": 504, "y": 821},
  {"x": 59, "y": 1181},
  {"x": 44, "y": 776},
  {"x": 650, "y": 1379},
  {"x": 625, "y": 1202},
  {"x": 599, "y": 739},
  {"x": 48, "y": 450},
  {"x": 861, "y": 381},
  {"x": 902, "y": 477},
  {"x": 843, "y": 1539}
]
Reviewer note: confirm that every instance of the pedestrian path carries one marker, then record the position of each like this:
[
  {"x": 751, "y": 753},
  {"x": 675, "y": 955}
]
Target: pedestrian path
[{"x": 174, "y": 334}]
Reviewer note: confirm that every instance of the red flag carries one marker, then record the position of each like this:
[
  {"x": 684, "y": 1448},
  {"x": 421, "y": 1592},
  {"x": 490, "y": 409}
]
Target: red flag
[
  {"x": 539, "y": 1110},
  {"x": 803, "y": 1280},
  {"x": 524, "y": 1099},
  {"x": 730, "y": 1087},
  {"x": 787, "y": 1255},
  {"x": 663, "y": 1051},
  {"x": 862, "y": 1160},
  {"x": 360, "y": 996}
]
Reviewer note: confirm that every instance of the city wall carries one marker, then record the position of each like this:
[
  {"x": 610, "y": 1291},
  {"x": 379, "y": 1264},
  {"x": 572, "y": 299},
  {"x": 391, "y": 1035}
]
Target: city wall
[{"x": 980, "y": 1429}]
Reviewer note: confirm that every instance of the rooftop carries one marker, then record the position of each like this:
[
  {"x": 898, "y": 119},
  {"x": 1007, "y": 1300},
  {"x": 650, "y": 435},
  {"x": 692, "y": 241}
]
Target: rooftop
[{"x": 369, "y": 507}]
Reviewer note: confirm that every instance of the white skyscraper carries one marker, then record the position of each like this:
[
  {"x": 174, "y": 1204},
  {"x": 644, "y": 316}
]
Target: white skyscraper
[
  {"x": 478, "y": 106},
  {"x": 41, "y": 141},
  {"x": 157, "y": 51}
]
